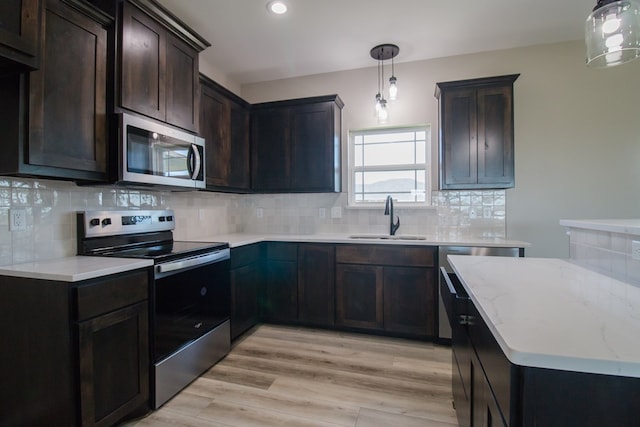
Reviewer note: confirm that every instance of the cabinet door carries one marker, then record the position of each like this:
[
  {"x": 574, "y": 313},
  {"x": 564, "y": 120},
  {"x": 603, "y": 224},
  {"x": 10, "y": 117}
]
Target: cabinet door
[
  {"x": 68, "y": 121},
  {"x": 183, "y": 85},
  {"x": 215, "y": 129},
  {"x": 410, "y": 300},
  {"x": 143, "y": 80},
  {"x": 224, "y": 124},
  {"x": 316, "y": 284},
  {"x": 313, "y": 151},
  {"x": 20, "y": 32},
  {"x": 114, "y": 365},
  {"x": 484, "y": 408},
  {"x": 280, "y": 301},
  {"x": 495, "y": 136},
  {"x": 459, "y": 138},
  {"x": 239, "y": 174},
  {"x": 270, "y": 149},
  {"x": 245, "y": 282},
  {"x": 359, "y": 292}
]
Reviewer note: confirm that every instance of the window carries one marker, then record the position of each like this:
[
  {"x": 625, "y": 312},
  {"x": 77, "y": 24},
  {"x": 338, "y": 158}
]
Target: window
[{"x": 391, "y": 161}]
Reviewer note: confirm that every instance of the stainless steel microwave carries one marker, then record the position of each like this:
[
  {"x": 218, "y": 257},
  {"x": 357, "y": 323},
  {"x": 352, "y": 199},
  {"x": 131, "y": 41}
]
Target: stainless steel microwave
[{"x": 157, "y": 154}]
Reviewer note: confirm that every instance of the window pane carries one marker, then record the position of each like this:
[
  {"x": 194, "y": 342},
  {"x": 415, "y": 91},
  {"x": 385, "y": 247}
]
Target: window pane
[
  {"x": 389, "y": 154},
  {"x": 379, "y": 149},
  {"x": 357, "y": 155}
]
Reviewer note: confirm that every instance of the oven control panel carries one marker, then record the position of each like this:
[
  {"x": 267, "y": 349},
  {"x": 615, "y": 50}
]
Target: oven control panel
[{"x": 109, "y": 223}]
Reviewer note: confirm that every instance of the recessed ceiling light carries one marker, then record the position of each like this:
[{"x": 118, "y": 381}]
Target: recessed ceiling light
[{"x": 277, "y": 7}]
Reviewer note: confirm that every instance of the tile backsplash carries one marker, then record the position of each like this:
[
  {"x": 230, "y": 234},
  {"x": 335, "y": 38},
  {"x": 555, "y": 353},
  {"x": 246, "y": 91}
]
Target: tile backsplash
[{"x": 50, "y": 208}]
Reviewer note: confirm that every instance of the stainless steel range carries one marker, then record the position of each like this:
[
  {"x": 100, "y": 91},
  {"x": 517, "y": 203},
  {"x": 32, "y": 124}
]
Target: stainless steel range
[{"x": 190, "y": 293}]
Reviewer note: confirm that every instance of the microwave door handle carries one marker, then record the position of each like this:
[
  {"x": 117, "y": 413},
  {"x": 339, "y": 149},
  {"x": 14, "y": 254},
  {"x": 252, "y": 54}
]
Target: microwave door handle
[
  {"x": 198, "y": 162},
  {"x": 190, "y": 160}
]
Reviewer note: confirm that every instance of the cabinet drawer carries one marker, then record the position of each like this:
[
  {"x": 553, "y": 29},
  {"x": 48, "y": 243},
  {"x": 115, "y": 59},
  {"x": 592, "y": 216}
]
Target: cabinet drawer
[
  {"x": 105, "y": 295},
  {"x": 454, "y": 297},
  {"x": 245, "y": 255},
  {"x": 282, "y": 251},
  {"x": 405, "y": 256}
]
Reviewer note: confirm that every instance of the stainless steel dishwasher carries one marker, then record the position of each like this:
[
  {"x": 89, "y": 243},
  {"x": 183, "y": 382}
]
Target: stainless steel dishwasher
[{"x": 444, "y": 329}]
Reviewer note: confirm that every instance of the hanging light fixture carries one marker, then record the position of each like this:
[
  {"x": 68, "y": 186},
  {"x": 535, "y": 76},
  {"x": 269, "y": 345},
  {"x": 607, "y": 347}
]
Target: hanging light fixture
[
  {"x": 381, "y": 53},
  {"x": 612, "y": 33}
]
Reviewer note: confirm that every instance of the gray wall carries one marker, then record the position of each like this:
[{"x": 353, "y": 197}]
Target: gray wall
[{"x": 577, "y": 129}]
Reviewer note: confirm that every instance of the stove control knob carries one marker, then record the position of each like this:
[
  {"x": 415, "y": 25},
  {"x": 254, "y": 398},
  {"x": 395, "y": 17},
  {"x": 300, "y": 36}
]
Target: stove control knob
[
  {"x": 94, "y": 222},
  {"x": 106, "y": 221}
]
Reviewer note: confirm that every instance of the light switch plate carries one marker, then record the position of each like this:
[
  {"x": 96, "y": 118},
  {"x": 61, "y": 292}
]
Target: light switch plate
[
  {"x": 336, "y": 212},
  {"x": 17, "y": 219}
]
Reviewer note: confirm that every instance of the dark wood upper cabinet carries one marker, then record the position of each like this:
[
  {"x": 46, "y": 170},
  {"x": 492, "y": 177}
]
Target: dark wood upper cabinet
[
  {"x": 295, "y": 145},
  {"x": 159, "y": 65},
  {"x": 57, "y": 115},
  {"x": 224, "y": 124},
  {"x": 20, "y": 29},
  {"x": 476, "y": 133}
]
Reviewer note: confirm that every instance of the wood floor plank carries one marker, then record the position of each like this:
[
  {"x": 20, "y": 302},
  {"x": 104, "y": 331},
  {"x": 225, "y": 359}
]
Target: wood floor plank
[
  {"x": 375, "y": 418},
  {"x": 335, "y": 413},
  {"x": 417, "y": 406},
  {"x": 294, "y": 376}
]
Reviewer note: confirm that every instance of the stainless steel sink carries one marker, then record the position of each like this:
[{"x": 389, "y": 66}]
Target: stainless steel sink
[{"x": 386, "y": 237}]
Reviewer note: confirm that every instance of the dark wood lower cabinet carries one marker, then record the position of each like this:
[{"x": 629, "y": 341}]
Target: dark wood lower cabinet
[
  {"x": 316, "y": 284},
  {"x": 381, "y": 288},
  {"x": 410, "y": 296},
  {"x": 114, "y": 364},
  {"x": 279, "y": 299},
  {"x": 74, "y": 354},
  {"x": 359, "y": 294},
  {"x": 246, "y": 282},
  {"x": 387, "y": 288}
]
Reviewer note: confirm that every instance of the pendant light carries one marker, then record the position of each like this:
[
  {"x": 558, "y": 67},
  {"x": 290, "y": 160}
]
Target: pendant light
[
  {"x": 612, "y": 33},
  {"x": 381, "y": 53}
]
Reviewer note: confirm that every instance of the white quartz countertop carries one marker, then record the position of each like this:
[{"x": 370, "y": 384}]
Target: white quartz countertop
[
  {"x": 624, "y": 226},
  {"x": 241, "y": 239},
  {"x": 74, "y": 269},
  {"x": 550, "y": 313}
]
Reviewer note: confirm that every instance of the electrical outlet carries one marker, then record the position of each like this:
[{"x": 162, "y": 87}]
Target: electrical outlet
[
  {"x": 17, "y": 219},
  {"x": 635, "y": 250},
  {"x": 259, "y": 212},
  {"x": 322, "y": 212},
  {"x": 336, "y": 212}
]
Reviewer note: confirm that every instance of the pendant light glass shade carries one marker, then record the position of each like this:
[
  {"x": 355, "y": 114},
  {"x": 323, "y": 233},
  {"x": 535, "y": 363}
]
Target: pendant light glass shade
[
  {"x": 382, "y": 53},
  {"x": 612, "y": 33}
]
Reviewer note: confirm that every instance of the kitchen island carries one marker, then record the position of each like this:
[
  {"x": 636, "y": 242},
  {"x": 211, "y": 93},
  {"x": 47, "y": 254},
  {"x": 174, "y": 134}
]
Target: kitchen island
[{"x": 544, "y": 342}]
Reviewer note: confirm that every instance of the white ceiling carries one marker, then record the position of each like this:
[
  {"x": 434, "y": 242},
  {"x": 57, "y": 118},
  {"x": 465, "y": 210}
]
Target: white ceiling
[{"x": 249, "y": 44}]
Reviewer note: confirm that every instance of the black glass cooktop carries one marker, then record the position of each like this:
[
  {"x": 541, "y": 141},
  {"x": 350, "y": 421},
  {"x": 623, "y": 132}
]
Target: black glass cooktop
[{"x": 167, "y": 251}]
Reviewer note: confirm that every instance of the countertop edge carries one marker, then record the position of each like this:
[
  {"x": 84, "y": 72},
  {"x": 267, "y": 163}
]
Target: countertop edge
[{"x": 74, "y": 269}]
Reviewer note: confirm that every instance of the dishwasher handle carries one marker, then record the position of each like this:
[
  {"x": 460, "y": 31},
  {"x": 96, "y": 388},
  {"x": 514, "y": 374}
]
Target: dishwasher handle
[{"x": 193, "y": 261}]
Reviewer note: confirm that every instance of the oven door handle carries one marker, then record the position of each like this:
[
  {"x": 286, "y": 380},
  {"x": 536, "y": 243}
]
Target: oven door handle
[{"x": 193, "y": 262}]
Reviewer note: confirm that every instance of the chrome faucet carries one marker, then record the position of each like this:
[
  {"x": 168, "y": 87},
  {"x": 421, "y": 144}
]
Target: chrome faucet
[{"x": 388, "y": 210}]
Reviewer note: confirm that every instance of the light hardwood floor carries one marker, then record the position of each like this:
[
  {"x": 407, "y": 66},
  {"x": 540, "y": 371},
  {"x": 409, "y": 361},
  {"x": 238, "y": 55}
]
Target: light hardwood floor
[{"x": 287, "y": 376}]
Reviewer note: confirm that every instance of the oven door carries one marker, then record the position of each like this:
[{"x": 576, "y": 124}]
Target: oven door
[
  {"x": 190, "y": 298},
  {"x": 153, "y": 153}
]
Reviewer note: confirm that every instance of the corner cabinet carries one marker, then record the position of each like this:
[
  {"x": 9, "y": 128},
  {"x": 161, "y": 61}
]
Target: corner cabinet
[
  {"x": 20, "y": 26},
  {"x": 56, "y": 126},
  {"x": 74, "y": 353},
  {"x": 246, "y": 281},
  {"x": 224, "y": 124},
  {"x": 295, "y": 145},
  {"x": 476, "y": 133},
  {"x": 159, "y": 65}
]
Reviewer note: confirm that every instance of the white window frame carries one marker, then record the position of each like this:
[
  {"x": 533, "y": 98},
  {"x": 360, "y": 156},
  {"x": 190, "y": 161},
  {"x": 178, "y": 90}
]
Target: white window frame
[{"x": 353, "y": 169}]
